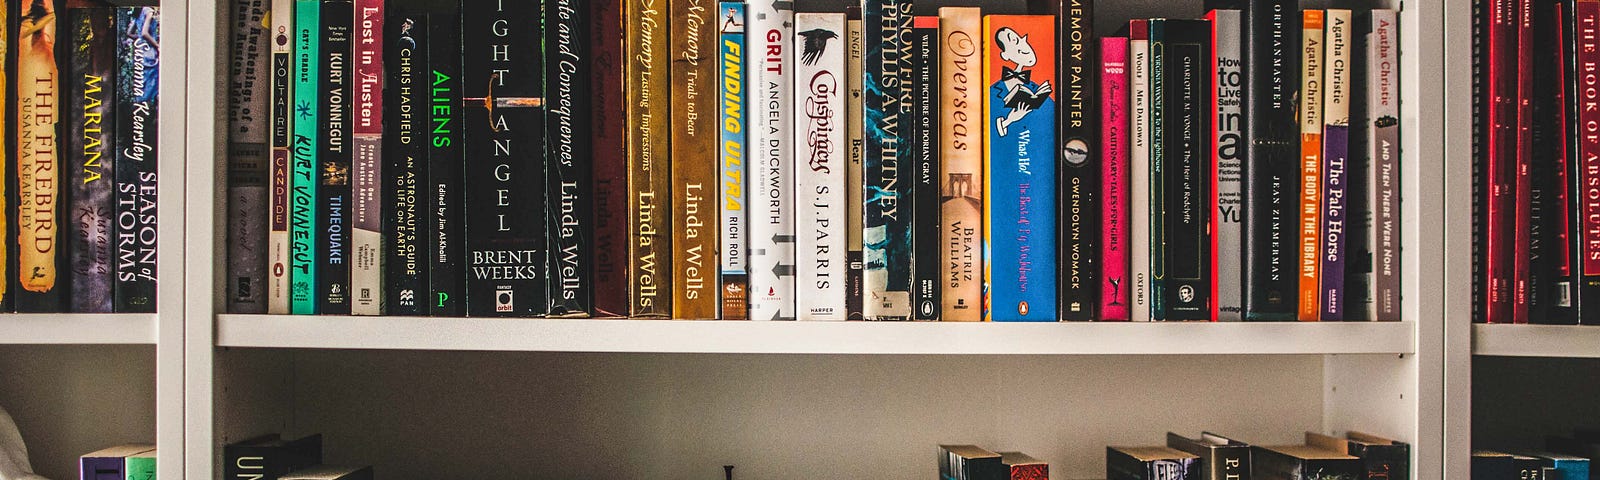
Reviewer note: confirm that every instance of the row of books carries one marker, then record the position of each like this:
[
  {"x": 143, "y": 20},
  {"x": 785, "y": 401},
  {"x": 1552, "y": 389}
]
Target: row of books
[
  {"x": 869, "y": 164},
  {"x": 122, "y": 462},
  {"x": 80, "y": 89},
  {"x": 971, "y": 462},
  {"x": 1536, "y": 162},
  {"x": 1564, "y": 457},
  {"x": 271, "y": 457},
  {"x": 1358, "y": 456}
]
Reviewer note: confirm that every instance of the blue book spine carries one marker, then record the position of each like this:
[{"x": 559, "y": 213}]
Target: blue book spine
[
  {"x": 302, "y": 173},
  {"x": 735, "y": 230},
  {"x": 1020, "y": 169},
  {"x": 886, "y": 107}
]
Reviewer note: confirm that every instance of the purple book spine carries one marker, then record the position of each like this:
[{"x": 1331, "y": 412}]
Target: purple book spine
[
  {"x": 1335, "y": 152},
  {"x": 100, "y": 468}
]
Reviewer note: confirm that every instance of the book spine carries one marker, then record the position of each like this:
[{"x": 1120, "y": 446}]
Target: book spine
[
  {"x": 1383, "y": 154},
  {"x": 612, "y": 231},
  {"x": 853, "y": 186},
  {"x": 1115, "y": 288},
  {"x": 1358, "y": 287},
  {"x": 38, "y": 100},
  {"x": 1522, "y": 213},
  {"x": 8, "y": 185},
  {"x": 734, "y": 279},
  {"x": 926, "y": 223},
  {"x": 772, "y": 279},
  {"x": 93, "y": 131},
  {"x": 1020, "y": 160},
  {"x": 649, "y": 180},
  {"x": 405, "y": 169},
  {"x": 1228, "y": 151},
  {"x": 142, "y": 467},
  {"x": 819, "y": 171},
  {"x": 446, "y": 208},
  {"x": 334, "y": 157},
  {"x": 248, "y": 155},
  {"x": 1139, "y": 169},
  {"x": 505, "y": 174},
  {"x": 1186, "y": 170},
  {"x": 1079, "y": 170},
  {"x": 1335, "y": 157},
  {"x": 1499, "y": 120},
  {"x": 1310, "y": 164},
  {"x": 101, "y": 468},
  {"x": 139, "y": 31},
  {"x": 887, "y": 195},
  {"x": 1158, "y": 179},
  {"x": 571, "y": 189},
  {"x": 368, "y": 250},
  {"x": 961, "y": 163},
  {"x": 303, "y": 172},
  {"x": 1271, "y": 158},
  {"x": 694, "y": 166},
  {"x": 278, "y": 206},
  {"x": 1586, "y": 178}
]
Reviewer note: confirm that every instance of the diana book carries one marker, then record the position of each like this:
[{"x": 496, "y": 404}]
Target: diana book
[{"x": 1019, "y": 120}]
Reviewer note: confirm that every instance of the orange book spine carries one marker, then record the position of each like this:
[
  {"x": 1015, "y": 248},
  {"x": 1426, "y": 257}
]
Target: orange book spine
[{"x": 1310, "y": 163}]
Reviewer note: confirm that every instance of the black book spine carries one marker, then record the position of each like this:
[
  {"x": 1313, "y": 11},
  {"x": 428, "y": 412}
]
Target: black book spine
[
  {"x": 1358, "y": 273},
  {"x": 248, "y": 155},
  {"x": 1383, "y": 462},
  {"x": 925, "y": 233},
  {"x": 92, "y": 124},
  {"x": 1186, "y": 167},
  {"x": 8, "y": 148},
  {"x": 333, "y": 161},
  {"x": 505, "y": 173},
  {"x": 405, "y": 173},
  {"x": 1550, "y": 255},
  {"x": 446, "y": 229},
  {"x": 568, "y": 136},
  {"x": 1272, "y": 153},
  {"x": 137, "y": 109},
  {"x": 1078, "y": 171}
]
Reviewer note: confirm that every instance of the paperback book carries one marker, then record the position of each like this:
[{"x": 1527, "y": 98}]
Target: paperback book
[
  {"x": 1019, "y": 217},
  {"x": 819, "y": 118}
]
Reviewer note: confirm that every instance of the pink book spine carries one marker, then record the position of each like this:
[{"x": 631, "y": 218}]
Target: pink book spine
[{"x": 1114, "y": 242}]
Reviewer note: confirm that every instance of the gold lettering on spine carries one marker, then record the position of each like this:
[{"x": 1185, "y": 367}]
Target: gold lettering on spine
[{"x": 36, "y": 147}]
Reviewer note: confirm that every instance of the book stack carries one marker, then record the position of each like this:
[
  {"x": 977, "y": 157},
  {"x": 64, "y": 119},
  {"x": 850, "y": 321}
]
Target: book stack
[
  {"x": 763, "y": 161},
  {"x": 81, "y": 85},
  {"x": 270, "y": 457},
  {"x": 125, "y": 462},
  {"x": 971, "y": 462},
  {"x": 1215, "y": 457}
]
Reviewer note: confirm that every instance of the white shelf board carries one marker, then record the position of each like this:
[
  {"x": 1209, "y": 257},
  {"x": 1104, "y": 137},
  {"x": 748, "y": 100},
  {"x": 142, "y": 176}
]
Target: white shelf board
[
  {"x": 914, "y": 338},
  {"x": 1509, "y": 340},
  {"x": 77, "y": 328}
]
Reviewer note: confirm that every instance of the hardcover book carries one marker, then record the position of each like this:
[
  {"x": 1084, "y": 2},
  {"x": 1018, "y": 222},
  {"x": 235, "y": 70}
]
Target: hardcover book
[
  {"x": 1522, "y": 149},
  {"x": 37, "y": 112},
  {"x": 110, "y": 463},
  {"x": 503, "y": 117},
  {"x": 1311, "y": 89},
  {"x": 139, "y": 32},
  {"x": 1383, "y": 164},
  {"x": 1151, "y": 463},
  {"x": 1271, "y": 159},
  {"x": 334, "y": 157},
  {"x": 1227, "y": 112},
  {"x": 1220, "y": 457},
  {"x": 1180, "y": 166},
  {"x": 1079, "y": 171},
  {"x": 1552, "y": 276},
  {"x": 248, "y": 157},
  {"x": 772, "y": 226},
  {"x": 326, "y": 472},
  {"x": 961, "y": 162},
  {"x": 278, "y": 204},
  {"x": 1139, "y": 168},
  {"x": 645, "y": 85},
  {"x": 368, "y": 252},
  {"x": 142, "y": 466},
  {"x": 1493, "y": 465},
  {"x": 887, "y": 193},
  {"x": 1565, "y": 466},
  {"x": 1115, "y": 286},
  {"x": 693, "y": 162},
  {"x": 1381, "y": 458},
  {"x": 1584, "y": 65},
  {"x": 1296, "y": 462},
  {"x": 405, "y": 171},
  {"x": 445, "y": 210},
  {"x": 926, "y": 225},
  {"x": 1499, "y": 121},
  {"x": 1020, "y": 466},
  {"x": 970, "y": 462},
  {"x": 819, "y": 165},
  {"x": 8, "y": 186},
  {"x": 571, "y": 187},
  {"x": 1335, "y": 159},
  {"x": 1019, "y": 217},
  {"x": 269, "y": 457},
  {"x": 734, "y": 279},
  {"x": 303, "y": 172},
  {"x": 92, "y": 130},
  {"x": 853, "y": 187},
  {"x": 612, "y": 229}
]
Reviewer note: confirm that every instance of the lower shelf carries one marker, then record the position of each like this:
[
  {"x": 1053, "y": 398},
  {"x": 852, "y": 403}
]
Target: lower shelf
[
  {"x": 908, "y": 338},
  {"x": 1567, "y": 341},
  {"x": 78, "y": 328}
]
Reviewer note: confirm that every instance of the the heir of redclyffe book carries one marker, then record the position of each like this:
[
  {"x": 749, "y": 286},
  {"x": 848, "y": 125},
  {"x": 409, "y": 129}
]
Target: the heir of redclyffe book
[
  {"x": 139, "y": 31},
  {"x": 504, "y": 117},
  {"x": 334, "y": 154},
  {"x": 405, "y": 164},
  {"x": 570, "y": 189},
  {"x": 645, "y": 80},
  {"x": 1180, "y": 169},
  {"x": 92, "y": 128},
  {"x": 446, "y": 211},
  {"x": 248, "y": 157},
  {"x": 694, "y": 166}
]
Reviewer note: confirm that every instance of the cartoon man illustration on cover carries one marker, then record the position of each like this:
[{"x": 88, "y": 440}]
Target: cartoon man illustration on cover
[{"x": 1016, "y": 90}]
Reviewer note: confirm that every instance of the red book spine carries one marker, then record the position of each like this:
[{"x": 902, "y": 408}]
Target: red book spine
[
  {"x": 1587, "y": 14},
  {"x": 610, "y": 167},
  {"x": 1500, "y": 142},
  {"x": 1114, "y": 180},
  {"x": 1524, "y": 155}
]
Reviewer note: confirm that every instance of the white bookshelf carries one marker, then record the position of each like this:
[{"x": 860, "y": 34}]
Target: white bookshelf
[{"x": 78, "y": 329}]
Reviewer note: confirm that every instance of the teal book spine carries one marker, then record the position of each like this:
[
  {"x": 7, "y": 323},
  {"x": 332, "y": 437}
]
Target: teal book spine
[{"x": 302, "y": 173}]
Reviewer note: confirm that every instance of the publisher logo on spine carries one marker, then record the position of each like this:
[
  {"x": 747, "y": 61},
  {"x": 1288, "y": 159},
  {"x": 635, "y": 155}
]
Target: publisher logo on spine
[{"x": 503, "y": 300}]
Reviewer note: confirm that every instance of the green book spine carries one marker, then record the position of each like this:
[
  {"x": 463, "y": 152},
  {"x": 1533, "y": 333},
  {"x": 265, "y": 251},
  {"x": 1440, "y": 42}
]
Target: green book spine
[
  {"x": 141, "y": 467},
  {"x": 303, "y": 173}
]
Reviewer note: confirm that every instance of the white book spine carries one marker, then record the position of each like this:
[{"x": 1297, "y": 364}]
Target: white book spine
[
  {"x": 819, "y": 168},
  {"x": 1383, "y": 151},
  {"x": 282, "y": 40},
  {"x": 1230, "y": 165},
  {"x": 768, "y": 44},
  {"x": 1139, "y": 179}
]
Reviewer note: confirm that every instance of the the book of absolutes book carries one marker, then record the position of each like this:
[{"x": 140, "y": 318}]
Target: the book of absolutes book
[
  {"x": 961, "y": 162},
  {"x": 769, "y": 26},
  {"x": 819, "y": 119}
]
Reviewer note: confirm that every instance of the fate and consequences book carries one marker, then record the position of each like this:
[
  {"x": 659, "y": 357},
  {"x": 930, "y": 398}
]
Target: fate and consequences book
[{"x": 1019, "y": 120}]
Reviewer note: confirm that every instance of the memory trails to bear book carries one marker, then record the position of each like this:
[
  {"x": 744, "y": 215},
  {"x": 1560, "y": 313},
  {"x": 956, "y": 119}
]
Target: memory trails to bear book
[
  {"x": 819, "y": 170},
  {"x": 368, "y": 253},
  {"x": 1151, "y": 463},
  {"x": 733, "y": 279},
  {"x": 887, "y": 190},
  {"x": 694, "y": 160},
  {"x": 768, "y": 30},
  {"x": 961, "y": 139},
  {"x": 92, "y": 129},
  {"x": 645, "y": 86},
  {"x": 503, "y": 117},
  {"x": 334, "y": 155},
  {"x": 38, "y": 188},
  {"x": 248, "y": 157},
  {"x": 405, "y": 164},
  {"x": 925, "y": 150},
  {"x": 571, "y": 189},
  {"x": 1019, "y": 122},
  {"x": 138, "y": 32}
]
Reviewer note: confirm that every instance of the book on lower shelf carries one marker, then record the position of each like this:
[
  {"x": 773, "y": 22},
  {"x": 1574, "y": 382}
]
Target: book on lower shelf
[{"x": 122, "y": 462}]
